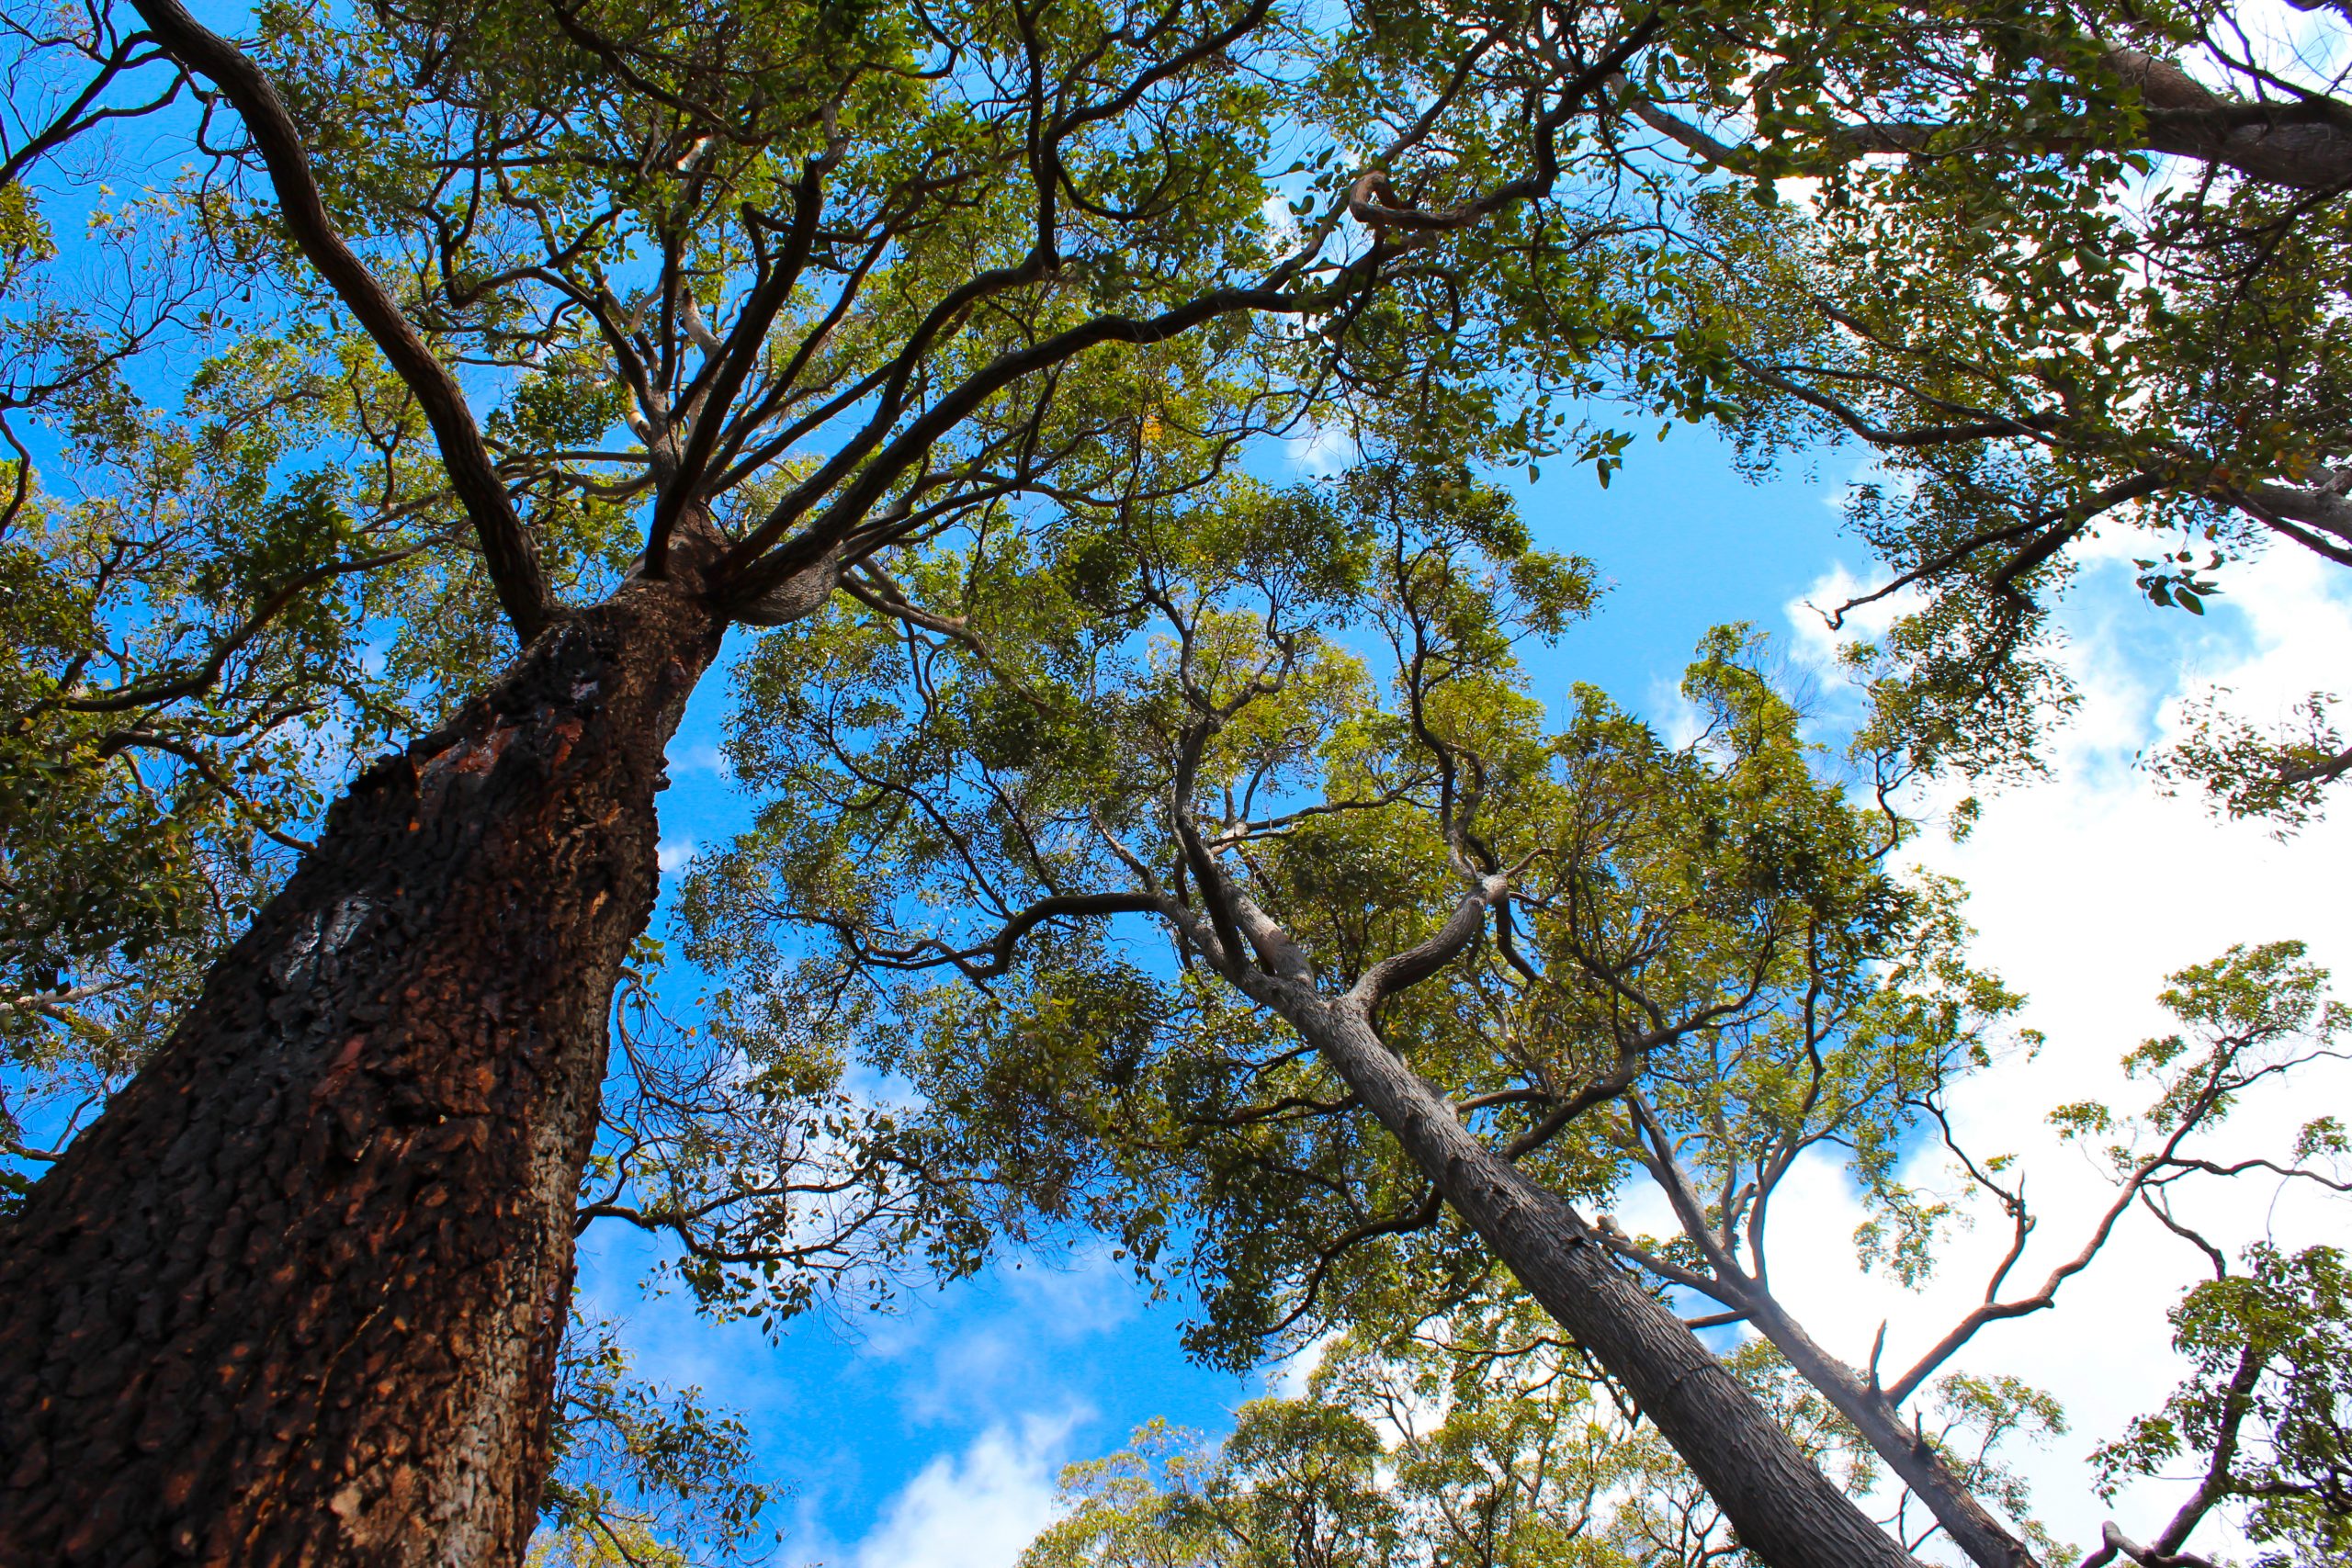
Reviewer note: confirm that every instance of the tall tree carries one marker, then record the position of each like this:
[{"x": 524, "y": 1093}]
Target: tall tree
[
  {"x": 849, "y": 280},
  {"x": 1071, "y": 776},
  {"x": 1424, "y": 960}
]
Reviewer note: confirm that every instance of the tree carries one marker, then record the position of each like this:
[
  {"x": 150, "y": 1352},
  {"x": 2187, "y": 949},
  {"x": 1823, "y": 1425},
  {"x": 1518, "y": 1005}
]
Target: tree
[
  {"x": 2264, "y": 1410},
  {"x": 1469, "y": 1437},
  {"x": 1540, "y": 966},
  {"x": 851, "y": 281},
  {"x": 930, "y": 777},
  {"x": 875, "y": 296},
  {"x": 2060, "y": 272}
]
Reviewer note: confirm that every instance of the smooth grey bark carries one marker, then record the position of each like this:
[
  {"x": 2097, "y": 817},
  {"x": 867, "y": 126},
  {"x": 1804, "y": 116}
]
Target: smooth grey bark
[
  {"x": 1875, "y": 1413},
  {"x": 1906, "y": 1450},
  {"x": 1781, "y": 1506},
  {"x": 2304, "y": 145},
  {"x": 1784, "y": 1509}
]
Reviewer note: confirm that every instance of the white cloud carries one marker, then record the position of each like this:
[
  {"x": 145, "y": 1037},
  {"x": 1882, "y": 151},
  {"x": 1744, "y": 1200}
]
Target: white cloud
[
  {"x": 1286, "y": 1377},
  {"x": 1087, "y": 1291},
  {"x": 672, "y": 854},
  {"x": 978, "y": 1509},
  {"x": 1676, "y": 718},
  {"x": 2089, "y": 888},
  {"x": 980, "y": 1368},
  {"x": 1815, "y": 642},
  {"x": 1324, "y": 449},
  {"x": 697, "y": 757}
]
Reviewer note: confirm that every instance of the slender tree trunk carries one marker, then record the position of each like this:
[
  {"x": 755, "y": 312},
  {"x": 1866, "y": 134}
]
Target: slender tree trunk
[
  {"x": 1784, "y": 1509},
  {"x": 1906, "y": 1450},
  {"x": 296, "y": 1296}
]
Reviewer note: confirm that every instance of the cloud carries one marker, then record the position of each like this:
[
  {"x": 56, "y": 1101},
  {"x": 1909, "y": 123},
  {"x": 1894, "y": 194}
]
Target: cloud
[
  {"x": 696, "y": 756},
  {"x": 2088, "y": 888},
  {"x": 1814, "y": 642},
  {"x": 988, "y": 1363},
  {"x": 1676, "y": 716},
  {"x": 1088, "y": 1292},
  {"x": 978, "y": 1509},
  {"x": 1287, "y": 1377},
  {"x": 1324, "y": 449},
  {"x": 672, "y": 854}
]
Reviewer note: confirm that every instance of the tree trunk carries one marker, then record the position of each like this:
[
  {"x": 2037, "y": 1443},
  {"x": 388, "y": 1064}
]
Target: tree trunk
[
  {"x": 296, "y": 1295},
  {"x": 1904, "y": 1449},
  {"x": 1784, "y": 1509}
]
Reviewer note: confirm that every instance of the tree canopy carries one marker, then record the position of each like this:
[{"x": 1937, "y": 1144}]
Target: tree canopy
[
  {"x": 1698, "y": 962},
  {"x": 1180, "y": 840}
]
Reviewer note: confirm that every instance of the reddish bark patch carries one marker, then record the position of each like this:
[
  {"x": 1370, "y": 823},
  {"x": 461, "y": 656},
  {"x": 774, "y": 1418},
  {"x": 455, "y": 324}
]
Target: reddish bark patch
[{"x": 296, "y": 1296}]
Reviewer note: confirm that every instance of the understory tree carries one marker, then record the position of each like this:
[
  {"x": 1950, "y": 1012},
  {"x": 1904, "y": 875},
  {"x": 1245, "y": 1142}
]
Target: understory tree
[
  {"x": 1276, "y": 933},
  {"x": 1472, "y": 1435}
]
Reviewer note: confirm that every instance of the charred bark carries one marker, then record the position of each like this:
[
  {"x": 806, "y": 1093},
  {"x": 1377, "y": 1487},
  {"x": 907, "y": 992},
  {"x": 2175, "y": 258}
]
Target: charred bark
[{"x": 296, "y": 1296}]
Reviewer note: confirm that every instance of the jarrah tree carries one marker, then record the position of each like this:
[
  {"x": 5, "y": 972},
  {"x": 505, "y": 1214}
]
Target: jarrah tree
[{"x": 849, "y": 280}]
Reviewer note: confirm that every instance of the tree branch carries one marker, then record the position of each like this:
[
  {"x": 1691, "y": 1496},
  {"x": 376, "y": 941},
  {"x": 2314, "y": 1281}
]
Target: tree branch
[{"x": 508, "y": 552}]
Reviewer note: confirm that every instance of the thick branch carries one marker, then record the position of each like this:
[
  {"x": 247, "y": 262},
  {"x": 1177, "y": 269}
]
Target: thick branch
[
  {"x": 1371, "y": 201},
  {"x": 2300, "y": 146},
  {"x": 507, "y": 550},
  {"x": 1415, "y": 964}
]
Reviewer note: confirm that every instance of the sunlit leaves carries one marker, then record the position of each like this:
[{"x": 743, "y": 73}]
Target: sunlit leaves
[
  {"x": 643, "y": 1475},
  {"x": 2262, "y": 1413}
]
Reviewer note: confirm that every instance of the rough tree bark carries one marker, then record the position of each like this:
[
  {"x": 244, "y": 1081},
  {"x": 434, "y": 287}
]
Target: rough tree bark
[
  {"x": 296, "y": 1296},
  {"x": 1784, "y": 1509}
]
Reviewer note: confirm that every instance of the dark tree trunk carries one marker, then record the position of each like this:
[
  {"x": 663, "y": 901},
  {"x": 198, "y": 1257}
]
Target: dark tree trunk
[
  {"x": 1784, "y": 1509},
  {"x": 296, "y": 1295}
]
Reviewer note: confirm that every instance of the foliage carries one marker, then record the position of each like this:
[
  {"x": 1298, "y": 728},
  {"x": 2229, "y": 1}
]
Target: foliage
[
  {"x": 1666, "y": 893},
  {"x": 641, "y": 1477},
  {"x": 2264, "y": 1406},
  {"x": 1471, "y": 1436},
  {"x": 1702, "y": 974},
  {"x": 2279, "y": 775},
  {"x": 2061, "y": 273},
  {"x": 441, "y": 320},
  {"x": 239, "y": 558}
]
